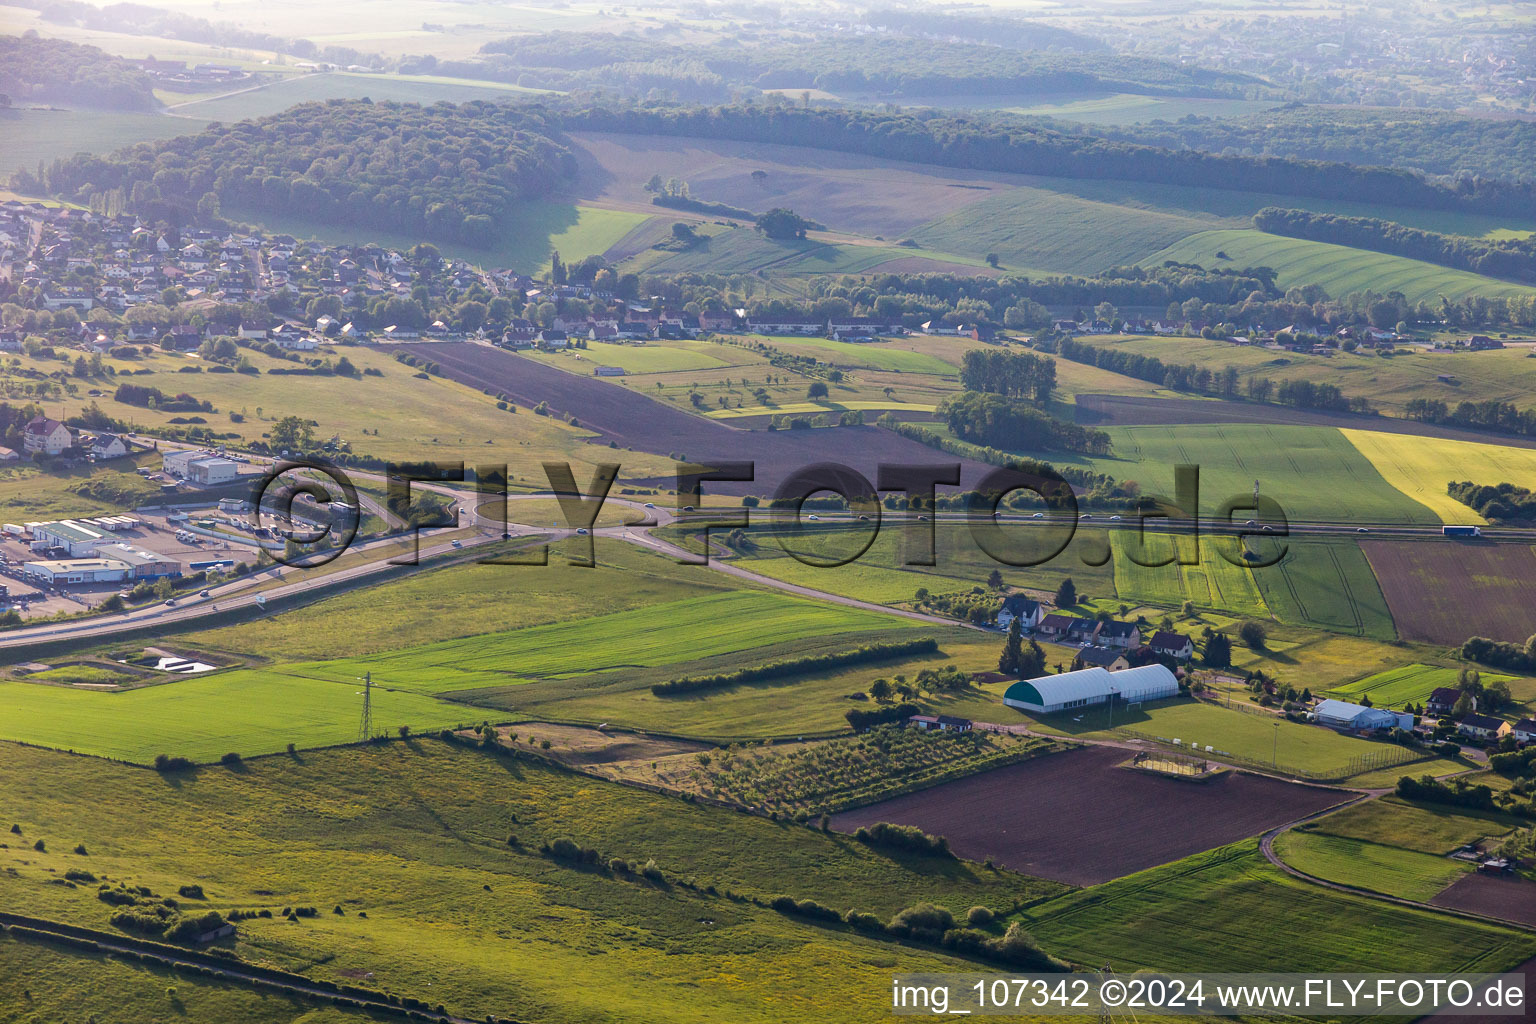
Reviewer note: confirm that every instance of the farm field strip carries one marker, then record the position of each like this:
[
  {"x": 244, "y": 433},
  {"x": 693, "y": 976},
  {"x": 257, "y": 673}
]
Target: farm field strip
[
  {"x": 1200, "y": 913},
  {"x": 1031, "y": 816},
  {"x": 1410, "y": 684},
  {"x": 1443, "y": 592},
  {"x": 1211, "y": 583},
  {"x": 1329, "y": 584},
  {"x": 1421, "y": 467},
  {"x": 1367, "y": 865},
  {"x": 247, "y": 712}
]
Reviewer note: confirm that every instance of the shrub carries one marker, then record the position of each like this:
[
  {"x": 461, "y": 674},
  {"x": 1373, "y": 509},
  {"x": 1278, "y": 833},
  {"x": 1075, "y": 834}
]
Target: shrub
[
  {"x": 191, "y": 892},
  {"x": 909, "y": 838},
  {"x": 980, "y": 917},
  {"x": 860, "y": 921},
  {"x": 921, "y": 921},
  {"x": 231, "y": 760}
]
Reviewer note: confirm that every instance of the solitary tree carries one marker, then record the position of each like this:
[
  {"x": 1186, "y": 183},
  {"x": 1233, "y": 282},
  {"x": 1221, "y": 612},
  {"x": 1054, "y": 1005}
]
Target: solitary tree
[
  {"x": 880, "y": 689},
  {"x": 1253, "y": 635},
  {"x": 818, "y": 389},
  {"x": 1066, "y": 594},
  {"x": 1218, "y": 651},
  {"x": 1013, "y": 649},
  {"x": 995, "y": 580}
]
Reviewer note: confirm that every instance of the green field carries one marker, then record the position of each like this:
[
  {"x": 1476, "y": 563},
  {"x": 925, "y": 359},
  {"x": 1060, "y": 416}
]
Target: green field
[
  {"x": 1428, "y": 828},
  {"x": 245, "y": 711},
  {"x": 466, "y": 600},
  {"x": 1131, "y": 108},
  {"x": 415, "y": 836},
  {"x": 47, "y": 135},
  {"x": 680, "y": 630},
  {"x": 1327, "y": 583},
  {"x": 1057, "y": 231},
  {"x": 661, "y": 357},
  {"x": 272, "y": 99},
  {"x": 537, "y": 228},
  {"x": 1249, "y": 736},
  {"x": 873, "y": 354},
  {"x": 1411, "y": 684},
  {"x": 1339, "y": 269},
  {"x": 1213, "y": 582},
  {"x": 1367, "y": 865},
  {"x": 744, "y": 250},
  {"x": 1229, "y": 910}
]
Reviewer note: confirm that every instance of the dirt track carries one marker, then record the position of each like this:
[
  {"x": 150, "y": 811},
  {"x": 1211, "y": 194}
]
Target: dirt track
[{"x": 632, "y": 420}]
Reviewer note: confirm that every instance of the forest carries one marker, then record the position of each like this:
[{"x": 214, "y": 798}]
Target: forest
[
  {"x": 37, "y": 70},
  {"x": 981, "y": 144},
  {"x": 443, "y": 172},
  {"x": 1436, "y": 142},
  {"x": 883, "y": 65},
  {"x": 1000, "y": 422},
  {"x": 1511, "y": 259}
]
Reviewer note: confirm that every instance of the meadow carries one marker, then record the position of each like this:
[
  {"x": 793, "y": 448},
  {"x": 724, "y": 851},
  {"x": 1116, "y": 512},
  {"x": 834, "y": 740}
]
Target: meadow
[
  {"x": 1131, "y": 108},
  {"x": 38, "y": 135},
  {"x": 1339, "y": 269},
  {"x": 415, "y": 836},
  {"x": 679, "y": 630},
  {"x": 48, "y": 982},
  {"x": 742, "y": 250},
  {"x": 1410, "y": 684},
  {"x": 1368, "y": 865},
  {"x": 247, "y": 712},
  {"x": 878, "y": 355},
  {"x": 28, "y": 492},
  {"x": 1428, "y": 828},
  {"x": 663, "y": 357},
  {"x": 1421, "y": 467}
]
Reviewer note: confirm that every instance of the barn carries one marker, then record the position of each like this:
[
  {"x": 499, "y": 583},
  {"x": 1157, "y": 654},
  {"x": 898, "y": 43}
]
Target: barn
[{"x": 1068, "y": 690}]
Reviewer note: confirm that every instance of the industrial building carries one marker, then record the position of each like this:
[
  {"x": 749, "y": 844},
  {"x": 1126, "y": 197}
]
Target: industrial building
[
  {"x": 1085, "y": 687},
  {"x": 200, "y": 467},
  {"x": 1338, "y": 714},
  {"x": 142, "y": 565},
  {"x": 77, "y": 570},
  {"x": 74, "y": 538}
]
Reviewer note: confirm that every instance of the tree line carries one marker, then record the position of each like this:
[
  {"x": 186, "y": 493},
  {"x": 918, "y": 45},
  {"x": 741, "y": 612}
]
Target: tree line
[
  {"x": 1492, "y": 415},
  {"x": 1010, "y": 374},
  {"x": 1512, "y": 259},
  {"x": 1029, "y": 148},
  {"x": 1012, "y": 425},
  {"x": 38, "y": 70},
  {"x": 1502, "y": 502}
]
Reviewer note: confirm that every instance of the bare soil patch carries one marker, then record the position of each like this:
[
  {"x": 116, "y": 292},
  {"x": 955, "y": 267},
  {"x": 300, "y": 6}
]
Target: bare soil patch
[
  {"x": 1079, "y": 818},
  {"x": 1445, "y": 591},
  {"x": 1513, "y": 899},
  {"x": 632, "y": 420}
]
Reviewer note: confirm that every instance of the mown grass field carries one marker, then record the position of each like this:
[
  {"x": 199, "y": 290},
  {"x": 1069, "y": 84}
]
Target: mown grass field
[
  {"x": 1338, "y": 268},
  {"x": 1427, "y": 828},
  {"x": 742, "y": 250},
  {"x": 1131, "y": 108},
  {"x": 878, "y": 355},
  {"x": 679, "y": 630},
  {"x": 1203, "y": 911},
  {"x": 1421, "y": 467},
  {"x": 415, "y": 835},
  {"x": 1368, "y": 865},
  {"x": 1410, "y": 684},
  {"x": 1213, "y": 582},
  {"x": 467, "y": 600},
  {"x": 1251, "y": 736},
  {"x": 247, "y": 712}
]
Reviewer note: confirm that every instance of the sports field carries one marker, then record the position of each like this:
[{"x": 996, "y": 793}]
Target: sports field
[
  {"x": 1338, "y": 268},
  {"x": 245, "y": 711},
  {"x": 1421, "y": 467}
]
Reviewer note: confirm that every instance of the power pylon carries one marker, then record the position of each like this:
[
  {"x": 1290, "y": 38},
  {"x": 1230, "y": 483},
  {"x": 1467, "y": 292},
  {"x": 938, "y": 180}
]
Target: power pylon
[{"x": 365, "y": 727}]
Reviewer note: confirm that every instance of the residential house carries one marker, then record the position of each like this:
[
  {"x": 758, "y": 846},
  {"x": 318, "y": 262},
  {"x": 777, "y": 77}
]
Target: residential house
[
  {"x": 552, "y": 340},
  {"x": 1524, "y": 730},
  {"x": 1483, "y": 343},
  {"x": 45, "y": 436},
  {"x": 1172, "y": 645},
  {"x": 108, "y": 446},
  {"x": 1124, "y": 635},
  {"x": 1442, "y": 700},
  {"x": 252, "y": 330},
  {"x": 1109, "y": 658},
  {"x": 1482, "y": 727},
  {"x": 1057, "y": 626},
  {"x": 1017, "y": 606}
]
